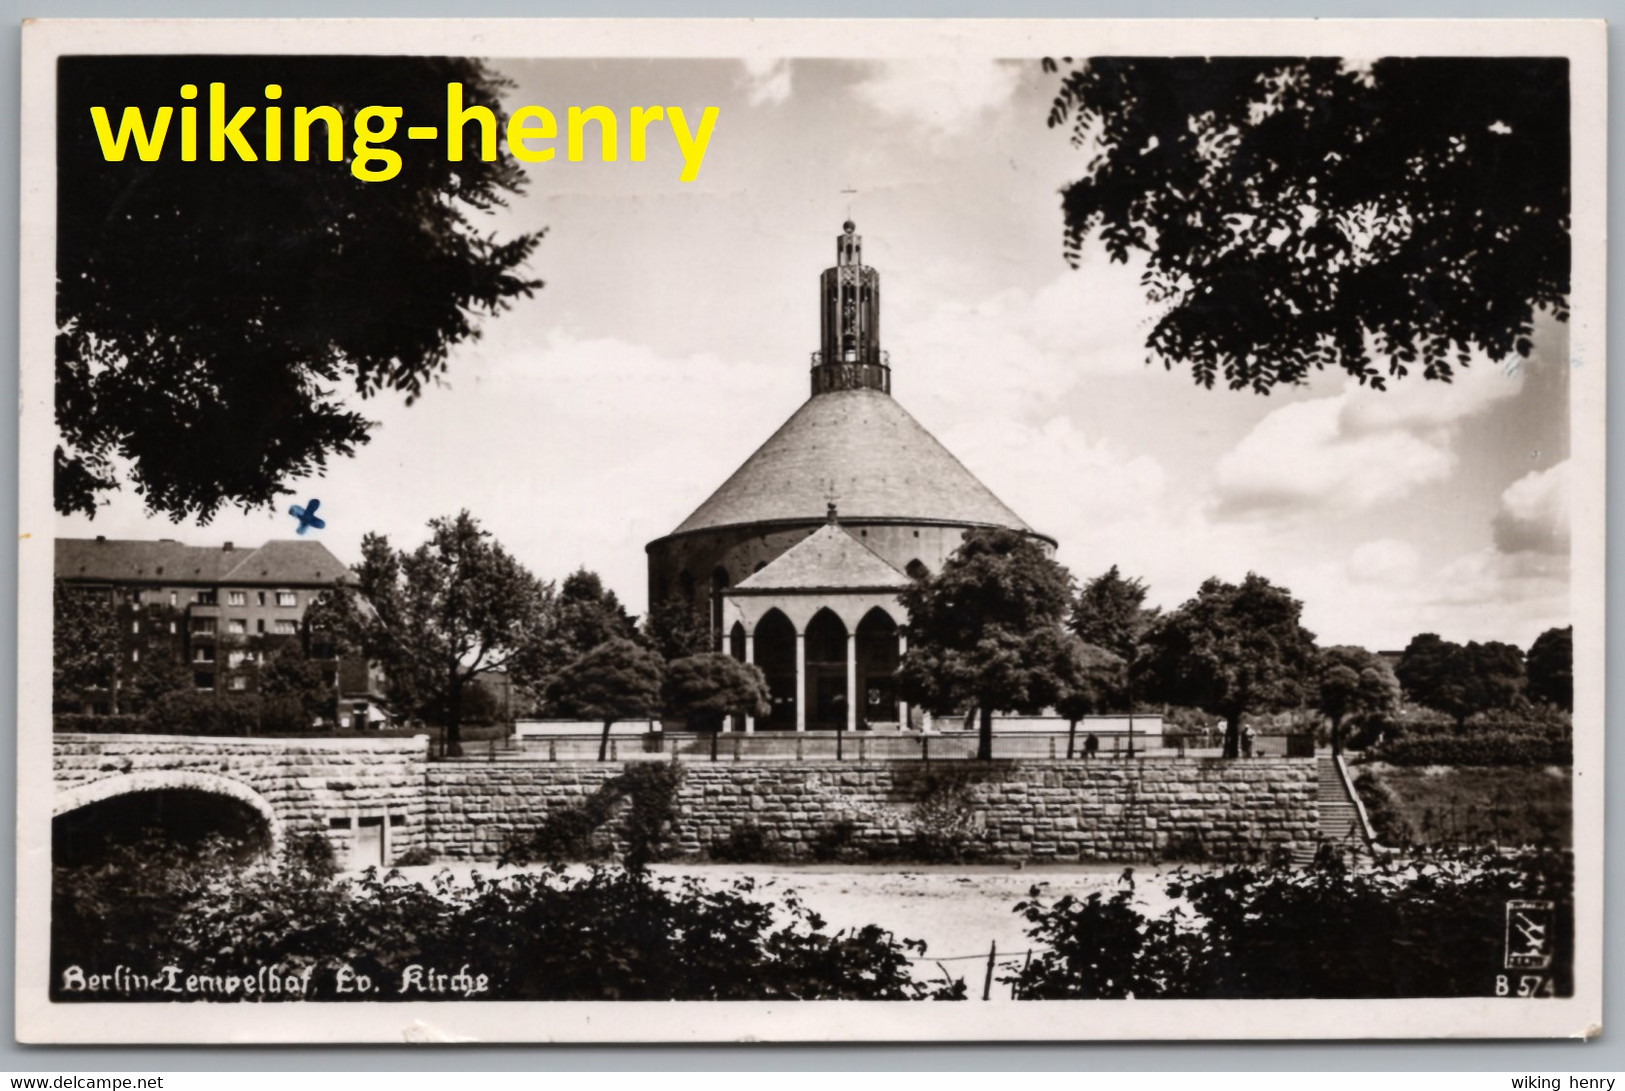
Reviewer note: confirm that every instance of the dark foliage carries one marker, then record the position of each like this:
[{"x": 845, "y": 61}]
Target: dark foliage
[
  {"x": 675, "y": 629},
  {"x": 986, "y": 630},
  {"x": 1427, "y": 928},
  {"x": 1460, "y": 680},
  {"x": 1110, "y": 613},
  {"x": 545, "y": 935},
  {"x": 618, "y": 680},
  {"x": 1486, "y": 747},
  {"x": 1290, "y": 207},
  {"x": 1352, "y": 683},
  {"x": 1550, "y": 664},
  {"x": 213, "y": 317},
  {"x": 86, "y": 651},
  {"x": 703, "y": 689},
  {"x": 1234, "y": 649},
  {"x": 638, "y": 805}
]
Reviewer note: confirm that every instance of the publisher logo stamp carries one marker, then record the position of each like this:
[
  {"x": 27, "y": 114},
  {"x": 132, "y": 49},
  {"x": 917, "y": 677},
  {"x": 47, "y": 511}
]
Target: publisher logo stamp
[{"x": 1529, "y": 935}]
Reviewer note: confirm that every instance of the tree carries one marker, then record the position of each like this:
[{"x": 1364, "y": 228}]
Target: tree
[
  {"x": 1231, "y": 650},
  {"x": 1298, "y": 213},
  {"x": 703, "y": 689},
  {"x": 587, "y": 614},
  {"x": 304, "y": 689},
  {"x": 461, "y": 605},
  {"x": 675, "y": 629},
  {"x": 1353, "y": 682},
  {"x": 1090, "y": 680},
  {"x": 986, "y": 629},
  {"x": 1459, "y": 680},
  {"x": 1110, "y": 613},
  {"x": 213, "y": 316},
  {"x": 1550, "y": 664},
  {"x": 85, "y": 645},
  {"x": 618, "y": 680}
]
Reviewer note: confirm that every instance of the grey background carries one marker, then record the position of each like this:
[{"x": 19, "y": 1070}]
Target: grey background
[{"x": 1604, "y": 1054}]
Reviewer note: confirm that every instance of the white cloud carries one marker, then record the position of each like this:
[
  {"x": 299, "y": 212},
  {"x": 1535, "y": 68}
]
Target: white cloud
[
  {"x": 766, "y": 80},
  {"x": 944, "y": 96},
  {"x": 1384, "y": 561},
  {"x": 1355, "y": 450},
  {"x": 1534, "y": 513}
]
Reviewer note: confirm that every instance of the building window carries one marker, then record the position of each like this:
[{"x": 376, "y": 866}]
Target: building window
[
  {"x": 237, "y": 598},
  {"x": 135, "y": 598},
  {"x": 259, "y": 597},
  {"x": 203, "y": 680},
  {"x": 239, "y": 682},
  {"x": 237, "y": 625},
  {"x": 287, "y": 626},
  {"x": 172, "y": 626},
  {"x": 235, "y": 659},
  {"x": 203, "y": 655},
  {"x": 259, "y": 625},
  {"x": 205, "y": 626},
  {"x": 135, "y": 626},
  {"x": 206, "y": 598},
  {"x": 135, "y": 655},
  {"x": 287, "y": 598}
]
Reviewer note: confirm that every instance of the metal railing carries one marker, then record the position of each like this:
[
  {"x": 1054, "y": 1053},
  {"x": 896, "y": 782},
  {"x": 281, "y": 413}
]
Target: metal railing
[{"x": 817, "y": 746}]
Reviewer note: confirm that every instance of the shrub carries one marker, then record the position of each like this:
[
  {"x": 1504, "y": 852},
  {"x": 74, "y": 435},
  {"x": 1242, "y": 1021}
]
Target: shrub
[
  {"x": 87, "y": 724},
  {"x": 945, "y": 829},
  {"x": 611, "y": 934},
  {"x": 745, "y": 844},
  {"x": 649, "y": 825},
  {"x": 1481, "y": 748},
  {"x": 1382, "y": 808},
  {"x": 837, "y": 841},
  {"x": 1428, "y": 928}
]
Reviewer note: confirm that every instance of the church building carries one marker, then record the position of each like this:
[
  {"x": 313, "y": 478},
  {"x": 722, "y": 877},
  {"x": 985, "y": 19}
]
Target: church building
[{"x": 799, "y": 556}]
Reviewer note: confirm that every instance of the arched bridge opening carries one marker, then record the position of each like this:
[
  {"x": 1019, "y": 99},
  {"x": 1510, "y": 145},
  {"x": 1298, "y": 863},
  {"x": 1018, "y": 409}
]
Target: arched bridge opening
[{"x": 181, "y": 813}]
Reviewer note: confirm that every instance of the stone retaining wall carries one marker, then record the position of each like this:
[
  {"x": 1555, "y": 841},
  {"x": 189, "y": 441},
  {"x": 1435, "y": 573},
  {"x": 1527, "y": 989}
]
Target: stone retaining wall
[
  {"x": 300, "y": 786},
  {"x": 1002, "y": 811}
]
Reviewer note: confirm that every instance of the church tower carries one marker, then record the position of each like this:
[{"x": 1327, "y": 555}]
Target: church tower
[
  {"x": 797, "y": 559},
  {"x": 849, "y": 296}
]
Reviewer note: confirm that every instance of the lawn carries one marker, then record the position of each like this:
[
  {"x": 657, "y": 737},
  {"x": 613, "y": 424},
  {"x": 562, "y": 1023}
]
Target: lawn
[{"x": 1450, "y": 805}]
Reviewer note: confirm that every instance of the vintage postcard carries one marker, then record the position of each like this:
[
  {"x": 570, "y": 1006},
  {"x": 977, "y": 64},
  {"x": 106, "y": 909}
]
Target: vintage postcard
[{"x": 493, "y": 556}]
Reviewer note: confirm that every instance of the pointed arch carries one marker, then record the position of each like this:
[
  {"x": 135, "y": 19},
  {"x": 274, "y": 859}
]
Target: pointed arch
[
  {"x": 720, "y": 582},
  {"x": 774, "y": 645}
]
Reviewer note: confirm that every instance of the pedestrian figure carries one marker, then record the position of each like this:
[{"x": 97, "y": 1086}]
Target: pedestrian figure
[
  {"x": 1247, "y": 741},
  {"x": 1091, "y": 746},
  {"x": 1127, "y": 879}
]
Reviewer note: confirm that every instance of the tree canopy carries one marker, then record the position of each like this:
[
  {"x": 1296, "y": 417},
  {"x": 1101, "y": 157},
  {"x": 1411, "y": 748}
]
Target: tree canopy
[
  {"x": 454, "y": 607},
  {"x": 1298, "y": 214},
  {"x": 618, "y": 680},
  {"x": 1089, "y": 680},
  {"x": 1353, "y": 682},
  {"x": 986, "y": 629},
  {"x": 212, "y": 317},
  {"x": 702, "y": 689},
  {"x": 1550, "y": 664},
  {"x": 1460, "y": 679},
  {"x": 86, "y": 647},
  {"x": 676, "y": 629},
  {"x": 1231, "y": 650},
  {"x": 1110, "y": 613}
]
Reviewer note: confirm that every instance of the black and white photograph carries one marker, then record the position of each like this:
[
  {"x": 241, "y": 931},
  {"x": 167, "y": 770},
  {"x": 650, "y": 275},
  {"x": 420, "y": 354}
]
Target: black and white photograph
[{"x": 505, "y": 557}]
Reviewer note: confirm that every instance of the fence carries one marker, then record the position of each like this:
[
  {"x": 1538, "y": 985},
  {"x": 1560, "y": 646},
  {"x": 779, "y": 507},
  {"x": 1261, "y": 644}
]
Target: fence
[{"x": 816, "y": 746}]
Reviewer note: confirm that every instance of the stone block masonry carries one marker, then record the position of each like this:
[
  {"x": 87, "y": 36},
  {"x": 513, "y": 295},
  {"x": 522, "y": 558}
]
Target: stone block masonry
[
  {"x": 1007, "y": 811},
  {"x": 299, "y": 786},
  {"x": 1004, "y": 811}
]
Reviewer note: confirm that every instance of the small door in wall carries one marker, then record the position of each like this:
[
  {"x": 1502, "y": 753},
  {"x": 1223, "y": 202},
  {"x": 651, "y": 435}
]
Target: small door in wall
[{"x": 368, "y": 850}]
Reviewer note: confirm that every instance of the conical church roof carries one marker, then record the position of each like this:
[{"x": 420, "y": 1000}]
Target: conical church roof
[{"x": 863, "y": 450}]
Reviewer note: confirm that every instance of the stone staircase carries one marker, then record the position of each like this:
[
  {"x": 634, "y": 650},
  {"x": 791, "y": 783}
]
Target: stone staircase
[{"x": 1340, "y": 822}]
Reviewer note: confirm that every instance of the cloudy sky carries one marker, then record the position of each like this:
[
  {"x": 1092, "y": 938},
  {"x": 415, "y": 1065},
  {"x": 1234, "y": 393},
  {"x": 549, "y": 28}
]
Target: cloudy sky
[{"x": 673, "y": 334}]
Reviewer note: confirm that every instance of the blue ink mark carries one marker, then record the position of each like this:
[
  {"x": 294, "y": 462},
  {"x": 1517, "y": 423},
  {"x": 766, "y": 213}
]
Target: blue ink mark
[{"x": 307, "y": 516}]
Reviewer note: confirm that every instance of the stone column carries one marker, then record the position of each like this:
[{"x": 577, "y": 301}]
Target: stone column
[
  {"x": 750, "y": 657},
  {"x": 851, "y": 681},
  {"x": 902, "y": 705},
  {"x": 801, "y": 681}
]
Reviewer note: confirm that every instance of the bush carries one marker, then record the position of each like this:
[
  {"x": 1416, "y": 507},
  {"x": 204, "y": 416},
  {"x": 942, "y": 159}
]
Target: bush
[
  {"x": 87, "y": 724},
  {"x": 579, "y": 833},
  {"x": 1430, "y": 928},
  {"x": 608, "y": 935},
  {"x": 1484, "y": 748},
  {"x": 746, "y": 844},
  {"x": 1383, "y": 809}
]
